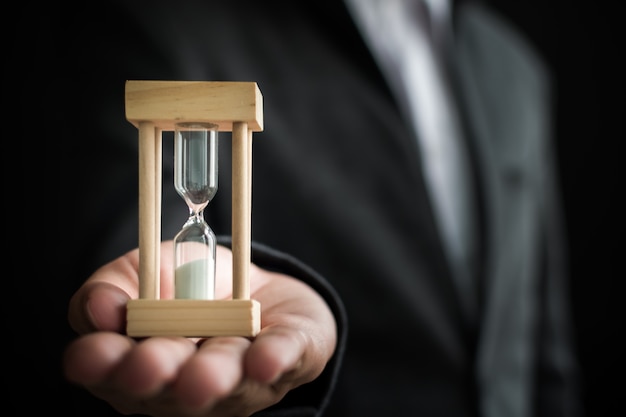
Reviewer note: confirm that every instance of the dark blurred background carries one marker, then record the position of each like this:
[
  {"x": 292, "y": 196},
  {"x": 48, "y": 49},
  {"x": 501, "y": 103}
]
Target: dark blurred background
[{"x": 583, "y": 43}]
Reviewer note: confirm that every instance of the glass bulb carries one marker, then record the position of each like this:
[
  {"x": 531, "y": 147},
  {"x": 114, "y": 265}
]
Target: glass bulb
[{"x": 195, "y": 180}]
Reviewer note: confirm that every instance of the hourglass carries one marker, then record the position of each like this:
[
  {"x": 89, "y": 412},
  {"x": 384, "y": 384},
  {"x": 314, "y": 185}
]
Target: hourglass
[{"x": 196, "y": 111}]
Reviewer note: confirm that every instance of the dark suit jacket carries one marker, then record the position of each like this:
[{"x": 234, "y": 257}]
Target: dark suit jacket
[{"x": 339, "y": 195}]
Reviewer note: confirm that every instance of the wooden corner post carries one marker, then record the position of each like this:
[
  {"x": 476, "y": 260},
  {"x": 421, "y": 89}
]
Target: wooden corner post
[{"x": 157, "y": 106}]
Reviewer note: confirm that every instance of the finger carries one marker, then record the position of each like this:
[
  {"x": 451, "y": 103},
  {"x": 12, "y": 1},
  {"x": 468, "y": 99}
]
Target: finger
[
  {"x": 98, "y": 306},
  {"x": 152, "y": 365},
  {"x": 276, "y": 351},
  {"x": 130, "y": 376},
  {"x": 213, "y": 373},
  {"x": 100, "y": 303},
  {"x": 89, "y": 359}
]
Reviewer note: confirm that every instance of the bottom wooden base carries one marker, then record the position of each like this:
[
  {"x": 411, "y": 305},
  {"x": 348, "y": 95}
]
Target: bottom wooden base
[{"x": 193, "y": 318}]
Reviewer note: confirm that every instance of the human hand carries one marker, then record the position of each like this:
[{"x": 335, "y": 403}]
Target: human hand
[{"x": 177, "y": 376}]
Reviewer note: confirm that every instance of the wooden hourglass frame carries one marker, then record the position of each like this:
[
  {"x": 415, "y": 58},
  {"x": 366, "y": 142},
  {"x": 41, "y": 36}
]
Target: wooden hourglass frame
[{"x": 157, "y": 106}]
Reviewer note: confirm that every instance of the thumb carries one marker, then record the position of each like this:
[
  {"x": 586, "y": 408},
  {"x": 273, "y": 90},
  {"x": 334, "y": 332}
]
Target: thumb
[
  {"x": 100, "y": 303},
  {"x": 98, "y": 306}
]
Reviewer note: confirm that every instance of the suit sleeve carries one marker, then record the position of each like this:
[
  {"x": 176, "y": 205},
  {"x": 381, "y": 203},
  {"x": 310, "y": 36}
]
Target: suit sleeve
[{"x": 558, "y": 388}]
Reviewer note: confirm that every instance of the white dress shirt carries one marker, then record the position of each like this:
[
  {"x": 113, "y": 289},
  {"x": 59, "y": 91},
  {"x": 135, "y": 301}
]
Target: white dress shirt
[{"x": 407, "y": 38}]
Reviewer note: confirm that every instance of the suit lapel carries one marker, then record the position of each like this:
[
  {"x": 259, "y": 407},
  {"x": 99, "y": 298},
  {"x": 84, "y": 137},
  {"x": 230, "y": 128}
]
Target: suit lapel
[{"x": 501, "y": 89}]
